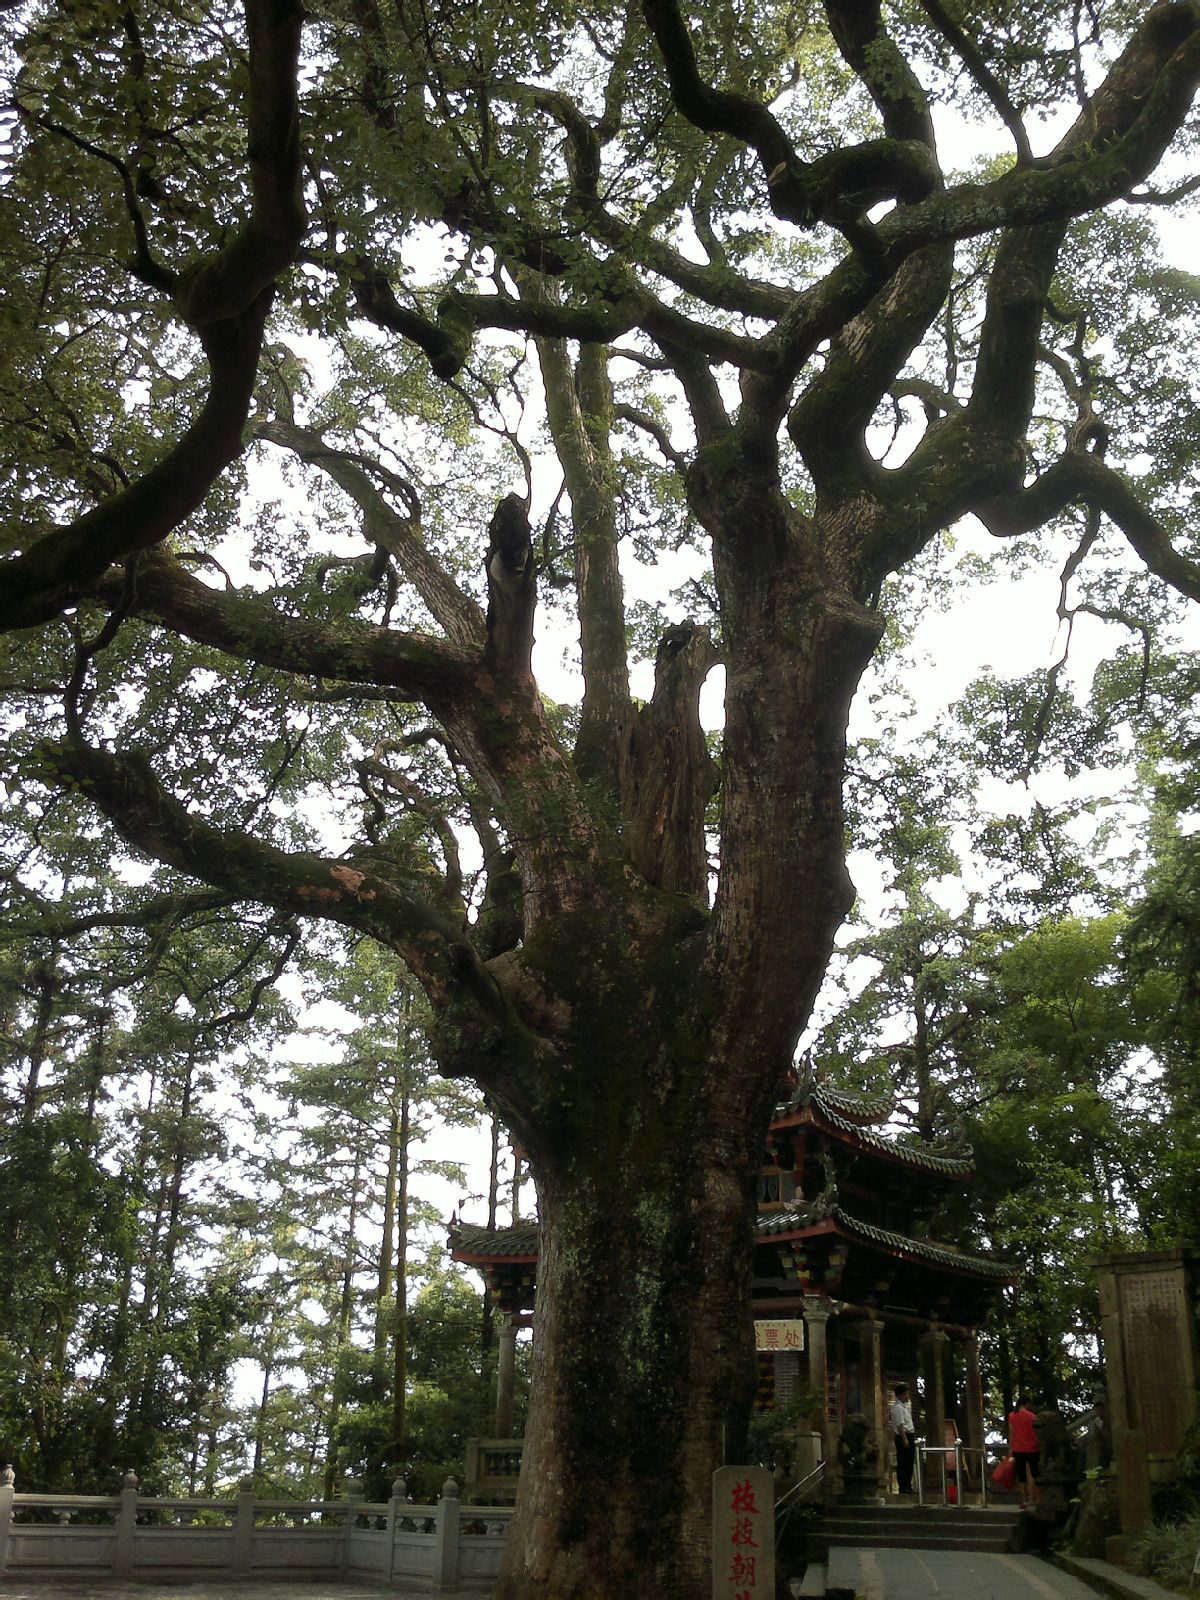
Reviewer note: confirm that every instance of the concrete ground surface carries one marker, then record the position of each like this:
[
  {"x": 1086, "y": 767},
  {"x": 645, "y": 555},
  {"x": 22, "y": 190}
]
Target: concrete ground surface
[
  {"x": 949, "y": 1575},
  {"x": 209, "y": 1589},
  {"x": 865, "y": 1574}
]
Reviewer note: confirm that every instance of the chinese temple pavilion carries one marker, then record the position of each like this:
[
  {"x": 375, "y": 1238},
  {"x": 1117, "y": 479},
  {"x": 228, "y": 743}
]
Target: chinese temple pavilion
[{"x": 851, "y": 1294}]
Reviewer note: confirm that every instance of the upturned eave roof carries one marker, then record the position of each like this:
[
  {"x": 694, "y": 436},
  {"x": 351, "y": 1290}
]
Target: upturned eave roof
[
  {"x": 798, "y": 1223},
  {"x": 495, "y": 1246},
  {"x": 518, "y": 1246},
  {"x": 819, "y": 1110}
]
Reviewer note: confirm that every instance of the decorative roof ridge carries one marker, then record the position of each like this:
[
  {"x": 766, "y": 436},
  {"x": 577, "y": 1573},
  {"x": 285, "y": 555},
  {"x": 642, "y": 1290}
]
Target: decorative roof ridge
[
  {"x": 522, "y": 1238},
  {"x": 953, "y": 1146},
  {"x": 906, "y": 1153},
  {"x": 935, "y": 1247},
  {"x": 808, "y": 1215},
  {"x": 867, "y": 1109},
  {"x": 860, "y": 1108}
]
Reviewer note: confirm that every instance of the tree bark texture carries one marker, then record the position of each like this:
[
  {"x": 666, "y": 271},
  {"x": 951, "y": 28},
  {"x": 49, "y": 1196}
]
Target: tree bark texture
[
  {"x": 646, "y": 1137},
  {"x": 641, "y": 1354}
]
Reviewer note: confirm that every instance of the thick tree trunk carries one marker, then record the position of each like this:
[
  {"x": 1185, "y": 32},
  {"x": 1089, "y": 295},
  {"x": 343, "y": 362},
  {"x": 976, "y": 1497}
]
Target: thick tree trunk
[
  {"x": 648, "y": 1141},
  {"x": 642, "y": 1353}
]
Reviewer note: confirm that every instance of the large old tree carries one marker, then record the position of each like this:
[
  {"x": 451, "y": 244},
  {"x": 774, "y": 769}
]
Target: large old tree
[{"x": 778, "y": 325}]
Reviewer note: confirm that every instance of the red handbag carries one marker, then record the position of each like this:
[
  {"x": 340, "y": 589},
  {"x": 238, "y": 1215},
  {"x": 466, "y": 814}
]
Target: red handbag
[{"x": 1005, "y": 1475}]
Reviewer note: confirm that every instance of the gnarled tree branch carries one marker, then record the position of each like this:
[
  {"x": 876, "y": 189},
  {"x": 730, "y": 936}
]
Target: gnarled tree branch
[
  {"x": 247, "y": 627},
  {"x": 400, "y": 536},
  {"x": 397, "y": 913},
  {"x": 1082, "y": 478},
  {"x": 225, "y": 300}
]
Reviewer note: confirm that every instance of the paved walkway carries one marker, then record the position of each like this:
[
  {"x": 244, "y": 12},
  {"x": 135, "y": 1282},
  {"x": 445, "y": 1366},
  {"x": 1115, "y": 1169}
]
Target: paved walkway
[
  {"x": 947, "y": 1575},
  {"x": 215, "y": 1588}
]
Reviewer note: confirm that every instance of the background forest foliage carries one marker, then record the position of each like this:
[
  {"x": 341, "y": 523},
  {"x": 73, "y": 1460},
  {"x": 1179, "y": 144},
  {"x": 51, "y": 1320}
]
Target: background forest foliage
[
  {"x": 219, "y": 1255},
  {"x": 1027, "y": 984}
]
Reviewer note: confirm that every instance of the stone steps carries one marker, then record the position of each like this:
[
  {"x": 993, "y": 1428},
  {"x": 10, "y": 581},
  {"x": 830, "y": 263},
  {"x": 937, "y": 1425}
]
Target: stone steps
[
  {"x": 915, "y": 1528},
  {"x": 812, "y": 1585}
]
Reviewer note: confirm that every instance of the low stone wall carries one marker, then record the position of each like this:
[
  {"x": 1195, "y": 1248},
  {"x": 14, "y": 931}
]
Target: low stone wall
[{"x": 423, "y": 1548}]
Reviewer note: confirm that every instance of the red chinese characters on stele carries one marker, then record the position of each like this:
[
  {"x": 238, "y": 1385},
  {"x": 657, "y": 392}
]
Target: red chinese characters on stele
[
  {"x": 743, "y": 1567},
  {"x": 743, "y": 1547},
  {"x": 742, "y": 1498}
]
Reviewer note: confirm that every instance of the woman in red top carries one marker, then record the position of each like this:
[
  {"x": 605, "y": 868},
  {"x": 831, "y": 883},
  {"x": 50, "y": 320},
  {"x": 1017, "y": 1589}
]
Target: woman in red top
[{"x": 1026, "y": 1450}]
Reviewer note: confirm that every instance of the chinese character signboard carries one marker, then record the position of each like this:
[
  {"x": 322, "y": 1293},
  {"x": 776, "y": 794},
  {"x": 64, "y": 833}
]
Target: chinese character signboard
[
  {"x": 779, "y": 1334},
  {"x": 744, "y": 1534}
]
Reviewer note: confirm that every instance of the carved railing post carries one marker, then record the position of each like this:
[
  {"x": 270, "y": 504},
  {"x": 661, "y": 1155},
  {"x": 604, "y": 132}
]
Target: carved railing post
[
  {"x": 243, "y": 1528},
  {"x": 395, "y": 1515},
  {"x": 354, "y": 1500},
  {"x": 445, "y": 1558},
  {"x": 8, "y": 1480},
  {"x": 126, "y": 1526}
]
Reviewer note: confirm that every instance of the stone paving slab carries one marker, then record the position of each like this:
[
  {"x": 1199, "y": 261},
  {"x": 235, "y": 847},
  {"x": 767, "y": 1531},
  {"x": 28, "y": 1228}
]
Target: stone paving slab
[
  {"x": 946, "y": 1575},
  {"x": 214, "y": 1588}
]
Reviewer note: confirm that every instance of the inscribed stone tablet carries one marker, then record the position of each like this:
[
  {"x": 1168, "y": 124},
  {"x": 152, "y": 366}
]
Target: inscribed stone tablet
[
  {"x": 743, "y": 1533},
  {"x": 1154, "y": 1317}
]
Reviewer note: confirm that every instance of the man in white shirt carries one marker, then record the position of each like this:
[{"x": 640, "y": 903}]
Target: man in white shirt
[{"x": 901, "y": 1420}]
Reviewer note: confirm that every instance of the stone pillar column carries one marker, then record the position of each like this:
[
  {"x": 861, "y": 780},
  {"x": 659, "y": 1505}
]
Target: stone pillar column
[
  {"x": 817, "y": 1312},
  {"x": 935, "y": 1396},
  {"x": 935, "y": 1386},
  {"x": 1130, "y": 1458},
  {"x": 974, "y": 1395},
  {"x": 505, "y": 1369},
  {"x": 954, "y": 1411},
  {"x": 874, "y": 1397}
]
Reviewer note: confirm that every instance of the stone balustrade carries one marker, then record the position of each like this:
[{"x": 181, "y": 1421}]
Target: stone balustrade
[{"x": 431, "y": 1549}]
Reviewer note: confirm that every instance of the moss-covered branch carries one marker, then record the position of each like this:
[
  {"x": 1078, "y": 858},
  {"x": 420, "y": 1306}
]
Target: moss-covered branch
[
  {"x": 1082, "y": 478},
  {"x": 837, "y": 188},
  {"x": 246, "y": 626},
  {"x": 224, "y": 299},
  {"x": 55, "y": 569},
  {"x": 399, "y": 535},
  {"x": 579, "y": 412},
  {"x": 267, "y": 241},
  {"x": 401, "y": 913}
]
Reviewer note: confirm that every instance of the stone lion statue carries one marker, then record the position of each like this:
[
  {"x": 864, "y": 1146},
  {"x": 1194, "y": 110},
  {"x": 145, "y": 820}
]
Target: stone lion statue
[{"x": 856, "y": 1446}]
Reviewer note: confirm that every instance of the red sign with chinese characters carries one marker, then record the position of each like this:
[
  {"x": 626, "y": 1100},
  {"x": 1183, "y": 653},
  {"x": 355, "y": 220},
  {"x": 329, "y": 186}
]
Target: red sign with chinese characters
[{"x": 743, "y": 1534}]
